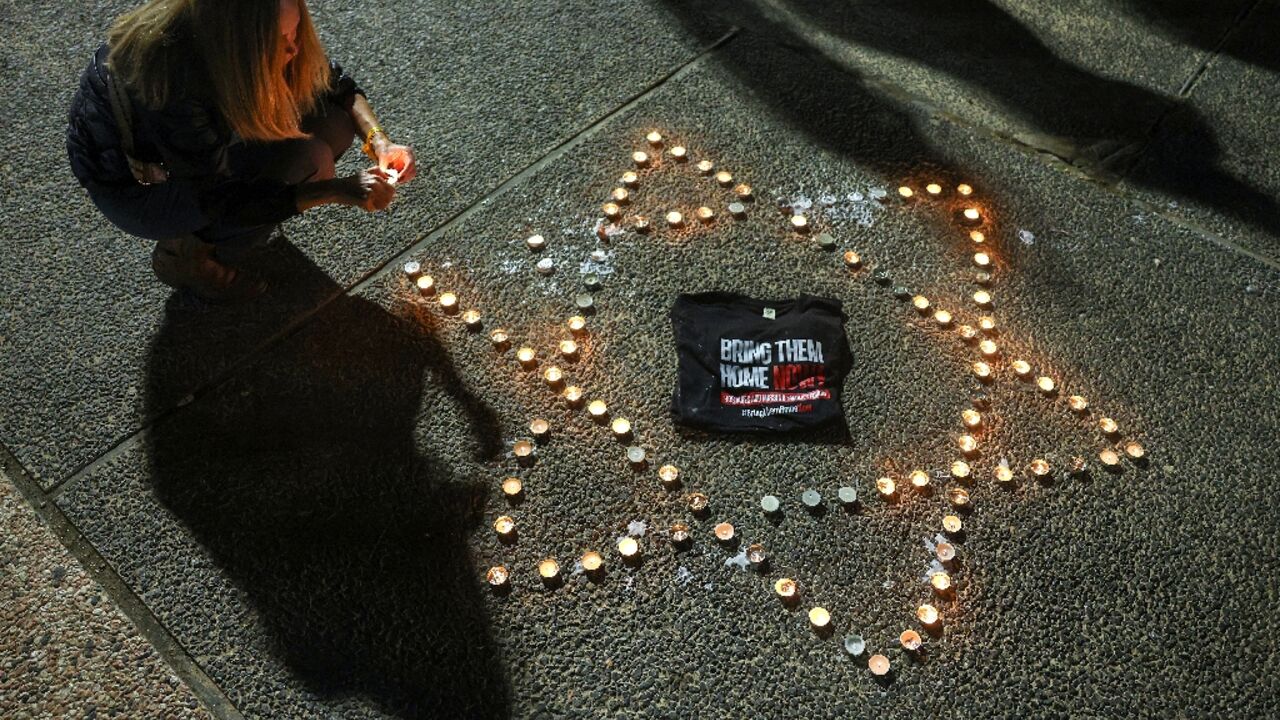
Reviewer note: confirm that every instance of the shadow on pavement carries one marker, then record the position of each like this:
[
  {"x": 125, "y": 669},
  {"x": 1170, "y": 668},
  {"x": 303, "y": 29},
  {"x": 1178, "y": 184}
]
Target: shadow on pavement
[
  {"x": 1113, "y": 124},
  {"x": 1199, "y": 24},
  {"x": 305, "y": 480}
]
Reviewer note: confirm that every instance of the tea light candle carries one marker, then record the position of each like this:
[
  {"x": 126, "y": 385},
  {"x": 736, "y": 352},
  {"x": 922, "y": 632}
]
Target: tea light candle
[
  {"x": 545, "y": 266},
  {"x": 705, "y": 167},
  {"x": 988, "y": 348},
  {"x": 569, "y": 349},
  {"x": 982, "y": 297},
  {"x": 724, "y": 178},
  {"x": 964, "y": 189},
  {"x": 786, "y": 588},
  {"x": 573, "y": 395},
  {"x": 967, "y": 443},
  {"x": 539, "y": 428},
  {"x": 1003, "y": 474},
  {"x": 1108, "y": 425},
  {"x": 886, "y": 486},
  {"x": 927, "y": 615},
  {"x": 449, "y": 302},
  {"x": 933, "y": 189},
  {"x": 940, "y": 581},
  {"x": 921, "y": 303},
  {"x": 640, "y": 158},
  {"x": 919, "y": 479},
  {"x": 967, "y": 333},
  {"x": 630, "y": 179},
  {"x": 498, "y": 337},
  {"x": 679, "y": 533},
  {"x": 549, "y": 569},
  {"x": 910, "y": 640},
  {"x": 737, "y": 209},
  {"x": 522, "y": 449},
  {"x": 680, "y": 153},
  {"x": 942, "y": 317},
  {"x": 597, "y": 408},
  {"x": 799, "y": 223},
  {"x": 971, "y": 418},
  {"x": 1046, "y": 384},
  {"x": 553, "y": 376},
  {"x": 987, "y": 324},
  {"x": 512, "y": 487},
  {"x": 706, "y": 214},
  {"x": 471, "y": 318},
  {"x": 669, "y": 475},
  {"x": 1134, "y": 450},
  {"x": 412, "y": 269},
  {"x": 497, "y": 576},
  {"x": 620, "y": 195},
  {"x": 505, "y": 526},
  {"x": 945, "y": 552},
  {"x": 960, "y": 470},
  {"x": 952, "y": 524},
  {"x": 878, "y": 665},
  {"x": 770, "y": 504},
  {"x": 592, "y": 561},
  {"x": 426, "y": 285},
  {"x": 811, "y": 498},
  {"x": 724, "y": 532},
  {"x": 847, "y": 495},
  {"x": 628, "y": 547},
  {"x": 742, "y": 190},
  {"x": 697, "y": 502},
  {"x": 675, "y": 219},
  {"x": 535, "y": 242},
  {"x": 981, "y": 259},
  {"x": 906, "y": 192},
  {"x": 819, "y": 618},
  {"x": 1078, "y": 403},
  {"x": 621, "y": 427},
  {"x": 611, "y": 210},
  {"x": 577, "y": 324},
  {"x": 978, "y": 236},
  {"x": 527, "y": 357},
  {"x": 972, "y": 214},
  {"x": 852, "y": 259},
  {"x": 958, "y": 497},
  {"x": 1109, "y": 458},
  {"x": 756, "y": 554},
  {"x": 982, "y": 370},
  {"x": 636, "y": 455}
]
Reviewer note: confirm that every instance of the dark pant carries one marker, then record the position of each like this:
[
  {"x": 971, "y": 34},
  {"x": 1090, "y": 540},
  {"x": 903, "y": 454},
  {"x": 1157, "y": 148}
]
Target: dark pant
[{"x": 171, "y": 209}]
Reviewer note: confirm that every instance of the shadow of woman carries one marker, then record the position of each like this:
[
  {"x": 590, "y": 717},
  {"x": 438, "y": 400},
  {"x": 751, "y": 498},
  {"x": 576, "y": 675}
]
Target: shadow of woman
[{"x": 309, "y": 480}]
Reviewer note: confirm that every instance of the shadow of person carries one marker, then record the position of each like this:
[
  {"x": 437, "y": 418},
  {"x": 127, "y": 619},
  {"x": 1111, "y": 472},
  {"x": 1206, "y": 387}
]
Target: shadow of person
[
  {"x": 310, "y": 481},
  {"x": 1204, "y": 26}
]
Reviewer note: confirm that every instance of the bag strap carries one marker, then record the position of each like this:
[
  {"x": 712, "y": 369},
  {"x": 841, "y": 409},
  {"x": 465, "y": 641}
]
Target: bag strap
[{"x": 123, "y": 111}]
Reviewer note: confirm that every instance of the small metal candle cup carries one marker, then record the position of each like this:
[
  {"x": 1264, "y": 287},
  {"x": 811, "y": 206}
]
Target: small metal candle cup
[
  {"x": 737, "y": 209},
  {"x": 698, "y": 503},
  {"x": 471, "y": 318},
  {"x": 906, "y": 192},
  {"x": 982, "y": 370},
  {"x": 679, "y": 534},
  {"x": 637, "y": 456},
  {"x": 786, "y": 589},
  {"x": 971, "y": 418},
  {"x": 886, "y": 486},
  {"x": 1021, "y": 368},
  {"x": 569, "y": 349},
  {"x": 958, "y": 497},
  {"x": 535, "y": 242},
  {"x": 1110, "y": 458},
  {"x": 988, "y": 348},
  {"x": 549, "y": 571},
  {"x": 967, "y": 444},
  {"x": 621, "y": 428},
  {"x": 742, "y": 190},
  {"x": 512, "y": 488},
  {"x": 987, "y": 324},
  {"x": 928, "y": 615},
  {"x": 982, "y": 259},
  {"x": 577, "y": 324},
  {"x": 527, "y": 357},
  {"x": 523, "y": 450},
  {"x": 591, "y": 561},
  {"x": 499, "y": 338},
  {"x": 573, "y": 395},
  {"x": 1039, "y": 468},
  {"x": 910, "y": 640},
  {"x": 952, "y": 524},
  {"x": 967, "y": 333},
  {"x": 972, "y": 214},
  {"x": 611, "y": 210},
  {"x": 598, "y": 409},
  {"x": 620, "y": 195},
  {"x": 654, "y": 138},
  {"x": 1135, "y": 450},
  {"x": 757, "y": 556},
  {"x": 426, "y": 285},
  {"x": 724, "y": 532},
  {"x": 669, "y": 475},
  {"x": 1003, "y": 474}
]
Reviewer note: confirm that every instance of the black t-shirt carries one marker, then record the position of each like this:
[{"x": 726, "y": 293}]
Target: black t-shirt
[{"x": 747, "y": 365}]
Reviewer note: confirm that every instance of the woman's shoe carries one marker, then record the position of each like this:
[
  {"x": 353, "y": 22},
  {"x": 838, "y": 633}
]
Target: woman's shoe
[{"x": 187, "y": 262}]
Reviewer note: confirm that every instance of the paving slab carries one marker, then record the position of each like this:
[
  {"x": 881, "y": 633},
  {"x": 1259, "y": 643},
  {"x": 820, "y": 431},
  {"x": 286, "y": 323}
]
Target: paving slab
[
  {"x": 316, "y": 531},
  {"x": 66, "y": 650},
  {"x": 482, "y": 90},
  {"x": 1222, "y": 175}
]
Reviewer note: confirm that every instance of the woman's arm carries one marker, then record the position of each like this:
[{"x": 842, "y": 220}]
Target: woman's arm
[{"x": 378, "y": 145}]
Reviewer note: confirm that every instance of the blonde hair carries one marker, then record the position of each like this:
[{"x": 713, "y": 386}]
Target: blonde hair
[{"x": 261, "y": 95}]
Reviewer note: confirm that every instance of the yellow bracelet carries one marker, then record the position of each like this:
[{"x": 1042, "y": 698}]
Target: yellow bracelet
[{"x": 368, "y": 141}]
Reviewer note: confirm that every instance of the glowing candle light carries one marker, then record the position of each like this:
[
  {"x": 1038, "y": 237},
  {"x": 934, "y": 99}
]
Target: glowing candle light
[
  {"x": 471, "y": 318},
  {"x": 549, "y": 569},
  {"x": 958, "y": 497},
  {"x": 987, "y": 323},
  {"x": 706, "y": 214},
  {"x": 630, "y": 179},
  {"x": 988, "y": 348},
  {"x": 597, "y": 408},
  {"x": 799, "y": 223},
  {"x": 1134, "y": 450},
  {"x": 981, "y": 259},
  {"x": 1003, "y": 474},
  {"x": 819, "y": 618},
  {"x": 680, "y": 153},
  {"x": 621, "y": 427},
  {"x": 982, "y": 297},
  {"x": 972, "y": 214},
  {"x": 573, "y": 395},
  {"x": 505, "y": 526},
  {"x": 675, "y": 219},
  {"x": 967, "y": 332},
  {"x": 449, "y": 302},
  {"x": 933, "y": 188},
  {"x": 412, "y": 269},
  {"x": 964, "y": 189},
  {"x": 940, "y": 581},
  {"x": 1108, "y": 425},
  {"x": 921, "y": 303},
  {"x": 539, "y": 428},
  {"x": 1046, "y": 384},
  {"x": 669, "y": 475},
  {"x": 553, "y": 376},
  {"x": 512, "y": 487},
  {"x": 1109, "y": 458},
  {"x": 906, "y": 192},
  {"x": 960, "y": 470},
  {"x": 1078, "y": 403},
  {"x": 426, "y": 285},
  {"x": 967, "y": 443},
  {"x": 852, "y": 259},
  {"x": 927, "y": 615},
  {"x": 919, "y": 479},
  {"x": 910, "y": 640},
  {"x": 886, "y": 486},
  {"x": 786, "y": 588},
  {"x": 654, "y": 138},
  {"x": 705, "y": 167},
  {"x": 577, "y": 324},
  {"x": 1039, "y": 467},
  {"x": 952, "y": 524},
  {"x": 620, "y": 195},
  {"x": 978, "y": 236},
  {"x": 569, "y": 349},
  {"x": 498, "y": 337},
  {"x": 971, "y": 418},
  {"x": 611, "y": 210},
  {"x": 628, "y": 547},
  {"x": 942, "y": 317},
  {"x": 522, "y": 449},
  {"x": 724, "y": 532},
  {"x": 697, "y": 502},
  {"x": 527, "y": 357},
  {"x": 640, "y": 158},
  {"x": 724, "y": 178},
  {"x": 679, "y": 533},
  {"x": 742, "y": 190},
  {"x": 592, "y": 561},
  {"x": 497, "y": 576},
  {"x": 878, "y": 665}
]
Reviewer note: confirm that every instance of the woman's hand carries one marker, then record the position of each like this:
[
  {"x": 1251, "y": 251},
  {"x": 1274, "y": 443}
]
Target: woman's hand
[
  {"x": 369, "y": 189},
  {"x": 398, "y": 158}
]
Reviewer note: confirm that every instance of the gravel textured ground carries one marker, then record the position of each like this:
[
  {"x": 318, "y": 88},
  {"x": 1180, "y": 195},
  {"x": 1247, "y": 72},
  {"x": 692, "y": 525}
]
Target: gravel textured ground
[
  {"x": 313, "y": 529},
  {"x": 68, "y": 652}
]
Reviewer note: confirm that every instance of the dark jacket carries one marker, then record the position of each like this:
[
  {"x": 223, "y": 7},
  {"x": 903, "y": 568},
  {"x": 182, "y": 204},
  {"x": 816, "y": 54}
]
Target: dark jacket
[{"x": 188, "y": 135}]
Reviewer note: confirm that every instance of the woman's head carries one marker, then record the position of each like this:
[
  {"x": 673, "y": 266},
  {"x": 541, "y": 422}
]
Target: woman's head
[{"x": 263, "y": 57}]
